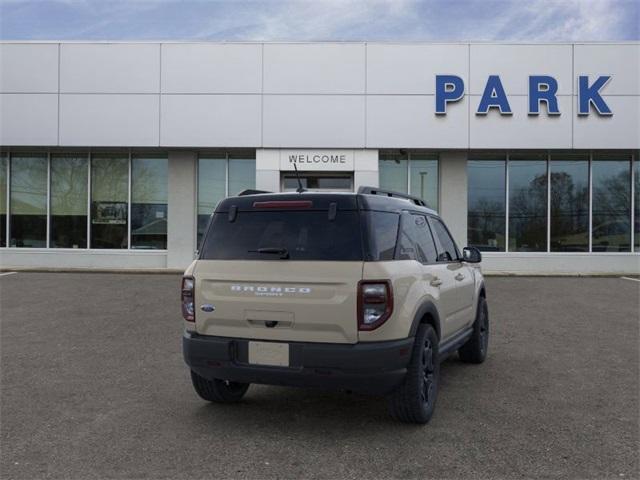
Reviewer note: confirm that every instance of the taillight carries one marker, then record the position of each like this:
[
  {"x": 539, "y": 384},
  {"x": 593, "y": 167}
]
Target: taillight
[
  {"x": 375, "y": 303},
  {"x": 188, "y": 309}
]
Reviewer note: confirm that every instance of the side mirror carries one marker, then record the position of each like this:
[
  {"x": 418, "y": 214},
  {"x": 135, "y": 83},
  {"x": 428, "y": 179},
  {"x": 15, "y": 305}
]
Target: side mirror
[{"x": 471, "y": 255}]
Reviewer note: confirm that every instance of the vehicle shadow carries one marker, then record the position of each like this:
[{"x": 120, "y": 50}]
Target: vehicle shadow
[{"x": 296, "y": 410}]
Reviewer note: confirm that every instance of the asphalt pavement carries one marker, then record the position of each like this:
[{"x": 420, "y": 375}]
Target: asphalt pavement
[{"x": 93, "y": 386}]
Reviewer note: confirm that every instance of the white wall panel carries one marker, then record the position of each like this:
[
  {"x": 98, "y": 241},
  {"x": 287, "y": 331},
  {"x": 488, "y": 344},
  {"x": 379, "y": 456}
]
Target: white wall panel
[
  {"x": 314, "y": 68},
  {"x": 620, "y": 61},
  {"x": 514, "y": 64},
  {"x": 211, "y": 120},
  {"x": 182, "y": 204},
  {"x": 524, "y": 263},
  {"x": 28, "y": 68},
  {"x": 110, "y": 68},
  {"x": 66, "y": 259},
  {"x": 211, "y": 68},
  {"x": 313, "y": 121},
  {"x": 268, "y": 180},
  {"x": 521, "y": 130},
  {"x": 365, "y": 178},
  {"x": 28, "y": 119},
  {"x": 621, "y": 130},
  {"x": 409, "y": 121},
  {"x": 453, "y": 194},
  {"x": 109, "y": 120},
  {"x": 411, "y": 69},
  {"x": 366, "y": 160}
]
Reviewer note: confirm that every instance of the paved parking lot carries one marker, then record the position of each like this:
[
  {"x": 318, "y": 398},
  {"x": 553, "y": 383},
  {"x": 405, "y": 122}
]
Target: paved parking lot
[{"x": 93, "y": 386}]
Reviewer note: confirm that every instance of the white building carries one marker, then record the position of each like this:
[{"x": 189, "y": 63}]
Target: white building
[{"x": 114, "y": 154}]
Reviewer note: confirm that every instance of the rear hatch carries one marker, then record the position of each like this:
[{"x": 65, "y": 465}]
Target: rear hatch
[{"x": 285, "y": 269}]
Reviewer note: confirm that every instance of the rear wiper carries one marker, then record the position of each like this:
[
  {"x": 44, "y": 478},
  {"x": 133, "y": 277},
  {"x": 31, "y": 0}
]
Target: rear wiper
[{"x": 283, "y": 252}]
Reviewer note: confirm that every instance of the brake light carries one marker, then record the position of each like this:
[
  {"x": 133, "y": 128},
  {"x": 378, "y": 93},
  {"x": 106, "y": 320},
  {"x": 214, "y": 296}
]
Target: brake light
[
  {"x": 188, "y": 309},
  {"x": 375, "y": 303},
  {"x": 284, "y": 204}
]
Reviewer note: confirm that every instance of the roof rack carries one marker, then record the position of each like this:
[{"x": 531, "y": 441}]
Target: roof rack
[
  {"x": 391, "y": 193},
  {"x": 250, "y": 191}
]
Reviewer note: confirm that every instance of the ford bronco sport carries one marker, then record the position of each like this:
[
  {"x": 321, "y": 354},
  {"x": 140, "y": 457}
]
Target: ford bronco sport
[{"x": 365, "y": 292}]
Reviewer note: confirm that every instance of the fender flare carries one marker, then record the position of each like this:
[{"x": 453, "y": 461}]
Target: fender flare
[
  {"x": 426, "y": 308},
  {"x": 481, "y": 290}
]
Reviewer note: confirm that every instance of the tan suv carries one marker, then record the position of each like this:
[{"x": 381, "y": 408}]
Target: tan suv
[{"x": 365, "y": 292}]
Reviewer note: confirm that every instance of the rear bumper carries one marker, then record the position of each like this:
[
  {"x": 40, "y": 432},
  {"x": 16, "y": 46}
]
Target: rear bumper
[{"x": 375, "y": 368}]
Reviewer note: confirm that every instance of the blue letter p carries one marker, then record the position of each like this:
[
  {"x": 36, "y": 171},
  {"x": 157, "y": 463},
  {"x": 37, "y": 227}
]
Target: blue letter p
[{"x": 449, "y": 88}]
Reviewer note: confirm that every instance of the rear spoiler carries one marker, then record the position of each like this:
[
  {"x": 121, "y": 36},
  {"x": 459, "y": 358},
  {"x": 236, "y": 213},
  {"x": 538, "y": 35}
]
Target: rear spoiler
[{"x": 250, "y": 191}]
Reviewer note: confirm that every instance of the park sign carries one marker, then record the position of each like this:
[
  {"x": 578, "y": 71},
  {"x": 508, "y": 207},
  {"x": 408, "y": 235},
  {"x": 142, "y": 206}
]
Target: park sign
[{"x": 542, "y": 89}]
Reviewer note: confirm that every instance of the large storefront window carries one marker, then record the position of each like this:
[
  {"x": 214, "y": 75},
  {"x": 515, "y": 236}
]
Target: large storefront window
[
  {"x": 636, "y": 202},
  {"x": 69, "y": 183},
  {"x": 221, "y": 175},
  {"x": 423, "y": 174},
  {"x": 28, "y": 208},
  {"x": 212, "y": 172},
  {"x": 611, "y": 231},
  {"x": 4, "y": 162},
  {"x": 393, "y": 171},
  {"x": 528, "y": 203},
  {"x": 564, "y": 217},
  {"x": 109, "y": 197},
  {"x": 487, "y": 203},
  {"x": 149, "y": 197},
  {"x": 242, "y": 172},
  {"x": 415, "y": 173},
  {"x": 569, "y": 220}
]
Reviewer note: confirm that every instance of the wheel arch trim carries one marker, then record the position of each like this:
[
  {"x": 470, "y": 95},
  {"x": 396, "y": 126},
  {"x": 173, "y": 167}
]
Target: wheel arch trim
[{"x": 426, "y": 308}]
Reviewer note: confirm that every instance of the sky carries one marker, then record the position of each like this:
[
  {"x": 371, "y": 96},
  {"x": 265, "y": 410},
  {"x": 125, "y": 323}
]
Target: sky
[{"x": 321, "y": 20}]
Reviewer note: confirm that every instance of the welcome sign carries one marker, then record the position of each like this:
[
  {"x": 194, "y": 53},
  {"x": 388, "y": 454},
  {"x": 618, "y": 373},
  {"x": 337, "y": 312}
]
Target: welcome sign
[{"x": 317, "y": 160}]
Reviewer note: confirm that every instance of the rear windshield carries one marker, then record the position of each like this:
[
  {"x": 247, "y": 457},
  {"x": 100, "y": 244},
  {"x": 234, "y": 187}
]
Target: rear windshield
[{"x": 296, "y": 235}]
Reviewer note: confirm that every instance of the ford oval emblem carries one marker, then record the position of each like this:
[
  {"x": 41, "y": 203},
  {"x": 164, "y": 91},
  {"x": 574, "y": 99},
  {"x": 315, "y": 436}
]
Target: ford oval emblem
[{"x": 207, "y": 308}]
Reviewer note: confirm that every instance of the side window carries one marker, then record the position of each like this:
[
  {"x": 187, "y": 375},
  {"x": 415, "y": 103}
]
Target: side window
[
  {"x": 415, "y": 241},
  {"x": 426, "y": 239},
  {"x": 383, "y": 232},
  {"x": 447, "y": 251}
]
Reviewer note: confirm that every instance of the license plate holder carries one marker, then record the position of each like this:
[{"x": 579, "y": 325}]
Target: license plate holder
[{"x": 273, "y": 354}]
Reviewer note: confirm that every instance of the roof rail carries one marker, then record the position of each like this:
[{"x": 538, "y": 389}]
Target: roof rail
[
  {"x": 250, "y": 191},
  {"x": 391, "y": 193}
]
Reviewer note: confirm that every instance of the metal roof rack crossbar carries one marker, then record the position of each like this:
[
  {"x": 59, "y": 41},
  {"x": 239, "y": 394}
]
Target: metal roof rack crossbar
[{"x": 390, "y": 193}]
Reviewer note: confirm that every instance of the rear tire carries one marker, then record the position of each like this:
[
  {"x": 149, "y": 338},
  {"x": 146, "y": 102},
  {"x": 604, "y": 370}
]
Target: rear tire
[
  {"x": 218, "y": 391},
  {"x": 475, "y": 350},
  {"x": 415, "y": 400}
]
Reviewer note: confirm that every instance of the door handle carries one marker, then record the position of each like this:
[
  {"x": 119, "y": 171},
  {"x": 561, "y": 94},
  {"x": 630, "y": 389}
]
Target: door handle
[
  {"x": 436, "y": 282},
  {"x": 459, "y": 277}
]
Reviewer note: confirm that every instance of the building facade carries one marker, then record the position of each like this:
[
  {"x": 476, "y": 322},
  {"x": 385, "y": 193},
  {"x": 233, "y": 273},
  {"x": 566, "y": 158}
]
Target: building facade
[{"x": 113, "y": 155}]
